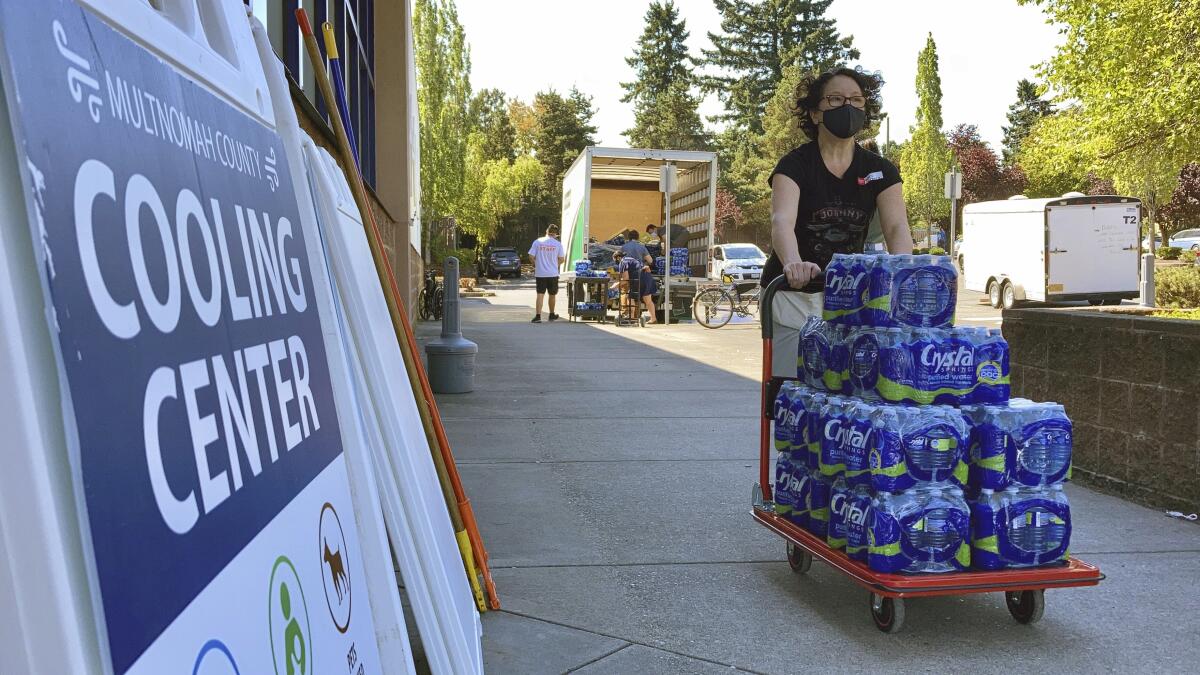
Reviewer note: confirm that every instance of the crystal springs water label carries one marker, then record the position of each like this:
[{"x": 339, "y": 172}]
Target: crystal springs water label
[{"x": 847, "y": 289}]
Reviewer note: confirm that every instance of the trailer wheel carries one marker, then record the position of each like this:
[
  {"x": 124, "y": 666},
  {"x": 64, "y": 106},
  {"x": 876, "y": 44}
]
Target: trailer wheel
[
  {"x": 993, "y": 291},
  {"x": 1095, "y": 302},
  {"x": 1008, "y": 296},
  {"x": 887, "y": 613},
  {"x": 798, "y": 559},
  {"x": 1026, "y": 606}
]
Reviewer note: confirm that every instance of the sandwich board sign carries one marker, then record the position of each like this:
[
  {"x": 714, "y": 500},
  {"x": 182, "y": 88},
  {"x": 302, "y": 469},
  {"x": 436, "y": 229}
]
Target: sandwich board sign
[{"x": 219, "y": 534}]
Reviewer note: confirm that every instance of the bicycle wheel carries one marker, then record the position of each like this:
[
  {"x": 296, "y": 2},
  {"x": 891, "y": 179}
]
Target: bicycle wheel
[
  {"x": 439, "y": 298},
  {"x": 713, "y": 308},
  {"x": 423, "y": 305}
]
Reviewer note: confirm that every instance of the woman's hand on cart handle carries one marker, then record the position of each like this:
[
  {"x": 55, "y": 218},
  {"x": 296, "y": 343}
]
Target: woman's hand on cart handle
[{"x": 800, "y": 272}]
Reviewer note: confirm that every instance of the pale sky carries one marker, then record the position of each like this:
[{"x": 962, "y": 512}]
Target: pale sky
[{"x": 523, "y": 46}]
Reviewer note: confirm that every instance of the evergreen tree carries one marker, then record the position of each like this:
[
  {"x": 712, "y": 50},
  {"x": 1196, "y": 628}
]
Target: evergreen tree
[
  {"x": 760, "y": 39},
  {"x": 564, "y": 130},
  {"x": 666, "y": 113},
  {"x": 488, "y": 116},
  {"x": 1022, "y": 115},
  {"x": 926, "y": 156},
  {"x": 670, "y": 120},
  {"x": 661, "y": 57}
]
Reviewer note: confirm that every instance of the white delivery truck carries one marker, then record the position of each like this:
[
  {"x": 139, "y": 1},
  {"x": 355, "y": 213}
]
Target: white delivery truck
[
  {"x": 1074, "y": 247},
  {"x": 609, "y": 190}
]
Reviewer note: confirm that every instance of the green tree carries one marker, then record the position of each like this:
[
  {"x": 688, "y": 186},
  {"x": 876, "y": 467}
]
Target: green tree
[
  {"x": 1028, "y": 109},
  {"x": 926, "y": 157},
  {"x": 661, "y": 57},
  {"x": 564, "y": 129},
  {"x": 524, "y": 124},
  {"x": 665, "y": 110},
  {"x": 493, "y": 189},
  {"x": 759, "y": 40},
  {"x": 1054, "y": 157},
  {"x": 670, "y": 120},
  {"x": 1131, "y": 68},
  {"x": 488, "y": 115},
  {"x": 443, "y": 91}
]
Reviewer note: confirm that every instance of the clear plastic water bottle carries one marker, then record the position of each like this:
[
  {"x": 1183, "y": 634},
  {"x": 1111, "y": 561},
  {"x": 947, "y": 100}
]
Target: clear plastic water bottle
[
  {"x": 857, "y": 513},
  {"x": 820, "y": 487},
  {"x": 832, "y": 463},
  {"x": 855, "y": 441},
  {"x": 839, "y": 502},
  {"x": 814, "y": 403},
  {"x": 863, "y": 362},
  {"x": 1043, "y": 444},
  {"x": 1037, "y": 526},
  {"x": 922, "y": 530},
  {"x": 879, "y": 292}
]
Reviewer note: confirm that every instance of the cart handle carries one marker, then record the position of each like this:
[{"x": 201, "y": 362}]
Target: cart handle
[{"x": 765, "y": 309}]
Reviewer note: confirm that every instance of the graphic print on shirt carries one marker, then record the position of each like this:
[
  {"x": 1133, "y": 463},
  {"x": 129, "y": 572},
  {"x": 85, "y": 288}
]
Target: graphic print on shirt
[{"x": 833, "y": 227}]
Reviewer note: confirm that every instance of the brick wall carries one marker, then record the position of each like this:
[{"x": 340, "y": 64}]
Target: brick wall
[{"x": 1131, "y": 385}]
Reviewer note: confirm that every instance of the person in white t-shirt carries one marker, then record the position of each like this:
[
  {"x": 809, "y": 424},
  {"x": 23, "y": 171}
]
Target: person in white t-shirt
[{"x": 548, "y": 255}]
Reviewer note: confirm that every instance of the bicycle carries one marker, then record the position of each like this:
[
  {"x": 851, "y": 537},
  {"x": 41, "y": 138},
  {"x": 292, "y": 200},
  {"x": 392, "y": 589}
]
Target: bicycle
[
  {"x": 431, "y": 298},
  {"x": 714, "y": 307}
]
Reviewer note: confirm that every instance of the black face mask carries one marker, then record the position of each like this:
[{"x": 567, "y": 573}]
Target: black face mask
[{"x": 844, "y": 122}]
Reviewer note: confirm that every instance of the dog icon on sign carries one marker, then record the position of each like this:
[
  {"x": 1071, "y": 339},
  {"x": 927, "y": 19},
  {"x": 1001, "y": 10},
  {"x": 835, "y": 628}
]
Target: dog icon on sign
[{"x": 335, "y": 572}]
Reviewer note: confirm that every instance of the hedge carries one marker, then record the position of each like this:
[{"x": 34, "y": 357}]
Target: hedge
[{"x": 1177, "y": 287}]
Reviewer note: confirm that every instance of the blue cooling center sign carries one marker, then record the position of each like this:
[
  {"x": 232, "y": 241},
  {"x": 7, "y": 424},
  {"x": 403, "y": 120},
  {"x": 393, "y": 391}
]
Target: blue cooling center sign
[{"x": 179, "y": 292}]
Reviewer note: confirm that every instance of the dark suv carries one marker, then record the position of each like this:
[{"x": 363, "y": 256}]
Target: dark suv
[{"x": 499, "y": 262}]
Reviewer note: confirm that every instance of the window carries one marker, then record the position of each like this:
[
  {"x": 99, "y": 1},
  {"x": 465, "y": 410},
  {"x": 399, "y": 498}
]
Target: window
[{"x": 354, "y": 29}]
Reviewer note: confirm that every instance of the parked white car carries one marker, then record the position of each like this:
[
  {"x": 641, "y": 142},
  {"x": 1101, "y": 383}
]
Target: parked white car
[
  {"x": 1188, "y": 240},
  {"x": 742, "y": 262}
]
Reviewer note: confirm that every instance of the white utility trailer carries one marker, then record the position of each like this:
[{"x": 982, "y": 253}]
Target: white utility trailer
[{"x": 1074, "y": 247}]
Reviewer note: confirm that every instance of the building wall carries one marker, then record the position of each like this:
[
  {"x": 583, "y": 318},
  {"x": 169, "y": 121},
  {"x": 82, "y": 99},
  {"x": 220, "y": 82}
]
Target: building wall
[
  {"x": 395, "y": 198},
  {"x": 1131, "y": 386}
]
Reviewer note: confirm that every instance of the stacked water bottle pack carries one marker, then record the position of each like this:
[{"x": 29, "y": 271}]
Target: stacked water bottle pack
[
  {"x": 875, "y": 455},
  {"x": 679, "y": 263},
  {"x": 583, "y": 268}
]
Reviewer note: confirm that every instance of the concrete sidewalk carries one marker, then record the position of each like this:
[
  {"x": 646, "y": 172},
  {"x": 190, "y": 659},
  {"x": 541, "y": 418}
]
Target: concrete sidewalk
[{"x": 611, "y": 471}]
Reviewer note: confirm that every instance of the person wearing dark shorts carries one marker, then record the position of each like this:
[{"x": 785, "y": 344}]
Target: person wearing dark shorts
[{"x": 548, "y": 255}]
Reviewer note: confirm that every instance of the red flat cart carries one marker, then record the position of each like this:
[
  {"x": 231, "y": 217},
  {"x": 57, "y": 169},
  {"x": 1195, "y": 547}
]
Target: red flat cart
[{"x": 1024, "y": 589}]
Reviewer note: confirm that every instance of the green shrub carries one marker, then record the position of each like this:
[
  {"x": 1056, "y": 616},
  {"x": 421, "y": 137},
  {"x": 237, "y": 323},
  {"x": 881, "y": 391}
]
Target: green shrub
[
  {"x": 920, "y": 251},
  {"x": 1188, "y": 314},
  {"x": 1188, "y": 257},
  {"x": 1169, "y": 252},
  {"x": 1177, "y": 287},
  {"x": 937, "y": 250}
]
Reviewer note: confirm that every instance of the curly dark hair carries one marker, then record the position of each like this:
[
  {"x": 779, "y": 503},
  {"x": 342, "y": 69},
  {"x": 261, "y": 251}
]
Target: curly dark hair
[{"x": 811, "y": 91}]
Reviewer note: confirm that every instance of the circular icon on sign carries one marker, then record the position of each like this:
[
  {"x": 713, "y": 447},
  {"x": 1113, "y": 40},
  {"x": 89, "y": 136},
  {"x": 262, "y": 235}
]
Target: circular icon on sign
[
  {"x": 287, "y": 619},
  {"x": 215, "y": 659},
  {"x": 335, "y": 576}
]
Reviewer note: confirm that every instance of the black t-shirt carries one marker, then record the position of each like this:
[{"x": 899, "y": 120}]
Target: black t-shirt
[{"x": 833, "y": 213}]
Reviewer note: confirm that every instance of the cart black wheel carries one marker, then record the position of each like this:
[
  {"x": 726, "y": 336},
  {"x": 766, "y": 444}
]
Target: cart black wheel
[
  {"x": 798, "y": 559},
  {"x": 713, "y": 308},
  {"x": 1026, "y": 606},
  {"x": 887, "y": 613}
]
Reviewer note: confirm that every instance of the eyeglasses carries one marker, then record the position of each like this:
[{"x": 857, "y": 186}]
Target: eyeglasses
[{"x": 837, "y": 101}]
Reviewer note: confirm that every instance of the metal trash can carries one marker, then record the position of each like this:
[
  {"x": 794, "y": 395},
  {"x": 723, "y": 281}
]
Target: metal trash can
[{"x": 451, "y": 357}]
